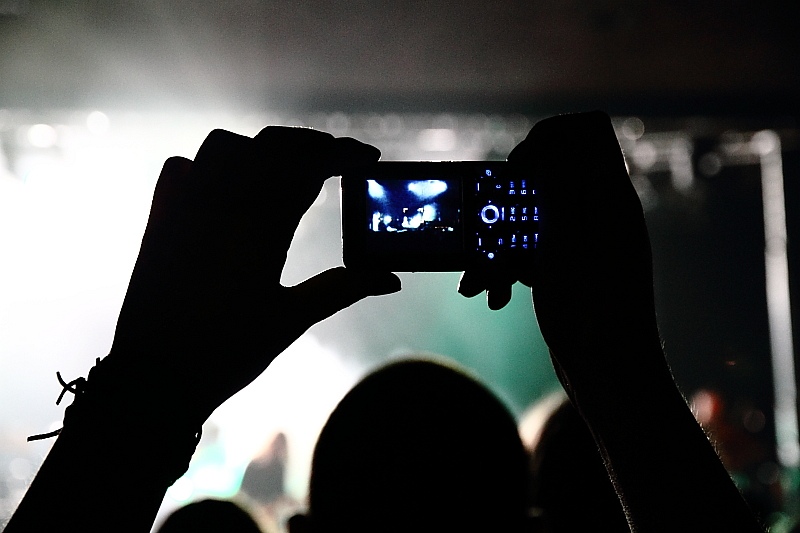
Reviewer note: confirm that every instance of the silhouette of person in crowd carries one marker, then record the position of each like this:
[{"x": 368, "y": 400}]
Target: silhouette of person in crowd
[
  {"x": 263, "y": 479},
  {"x": 417, "y": 445},
  {"x": 264, "y": 484},
  {"x": 205, "y": 313},
  {"x": 569, "y": 486},
  {"x": 209, "y": 516}
]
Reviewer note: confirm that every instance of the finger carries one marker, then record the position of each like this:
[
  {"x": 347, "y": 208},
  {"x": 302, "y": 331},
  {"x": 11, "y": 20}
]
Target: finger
[
  {"x": 310, "y": 157},
  {"x": 521, "y": 152},
  {"x": 292, "y": 136},
  {"x": 497, "y": 284},
  {"x": 528, "y": 277},
  {"x": 478, "y": 278},
  {"x": 315, "y": 152},
  {"x": 347, "y": 153},
  {"x": 171, "y": 183},
  {"x": 472, "y": 283},
  {"x": 498, "y": 296},
  {"x": 329, "y": 292}
]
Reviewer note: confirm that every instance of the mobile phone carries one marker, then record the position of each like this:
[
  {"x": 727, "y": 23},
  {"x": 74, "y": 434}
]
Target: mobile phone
[{"x": 442, "y": 216}]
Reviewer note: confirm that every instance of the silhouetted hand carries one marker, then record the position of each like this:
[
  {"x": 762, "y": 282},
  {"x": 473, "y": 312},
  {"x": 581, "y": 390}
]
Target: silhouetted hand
[
  {"x": 591, "y": 279},
  {"x": 592, "y": 287},
  {"x": 205, "y": 312}
]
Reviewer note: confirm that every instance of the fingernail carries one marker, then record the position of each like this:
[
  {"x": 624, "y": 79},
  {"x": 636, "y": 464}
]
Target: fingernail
[{"x": 357, "y": 149}]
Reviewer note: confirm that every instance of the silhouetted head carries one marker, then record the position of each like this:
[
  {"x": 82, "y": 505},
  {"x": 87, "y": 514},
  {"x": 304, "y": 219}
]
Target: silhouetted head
[
  {"x": 264, "y": 478},
  {"x": 209, "y": 516},
  {"x": 417, "y": 445},
  {"x": 570, "y": 488}
]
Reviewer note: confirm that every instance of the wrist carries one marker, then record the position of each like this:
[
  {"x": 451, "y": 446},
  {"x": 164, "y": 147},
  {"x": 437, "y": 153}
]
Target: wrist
[{"x": 108, "y": 420}]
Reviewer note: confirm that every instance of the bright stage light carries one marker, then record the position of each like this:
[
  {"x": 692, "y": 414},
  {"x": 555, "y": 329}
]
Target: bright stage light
[
  {"x": 375, "y": 190},
  {"x": 437, "y": 140},
  {"x": 98, "y": 123},
  {"x": 42, "y": 135},
  {"x": 427, "y": 189}
]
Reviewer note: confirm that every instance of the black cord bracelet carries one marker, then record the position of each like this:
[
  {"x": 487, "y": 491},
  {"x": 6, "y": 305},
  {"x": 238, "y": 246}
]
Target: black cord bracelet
[{"x": 97, "y": 411}]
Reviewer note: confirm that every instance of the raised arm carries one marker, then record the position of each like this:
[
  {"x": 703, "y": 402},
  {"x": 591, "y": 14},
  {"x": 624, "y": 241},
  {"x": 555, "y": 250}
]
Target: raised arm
[
  {"x": 203, "y": 316},
  {"x": 592, "y": 288}
]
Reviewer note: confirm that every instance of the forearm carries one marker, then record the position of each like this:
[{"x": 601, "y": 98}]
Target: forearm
[
  {"x": 666, "y": 472},
  {"x": 113, "y": 461},
  {"x": 93, "y": 482}
]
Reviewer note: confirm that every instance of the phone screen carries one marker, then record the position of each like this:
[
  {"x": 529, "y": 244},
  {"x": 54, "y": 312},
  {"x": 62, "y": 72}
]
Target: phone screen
[{"x": 414, "y": 215}]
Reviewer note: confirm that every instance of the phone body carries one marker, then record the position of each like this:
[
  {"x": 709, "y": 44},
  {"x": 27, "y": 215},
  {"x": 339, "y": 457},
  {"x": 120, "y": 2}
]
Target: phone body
[{"x": 437, "y": 216}]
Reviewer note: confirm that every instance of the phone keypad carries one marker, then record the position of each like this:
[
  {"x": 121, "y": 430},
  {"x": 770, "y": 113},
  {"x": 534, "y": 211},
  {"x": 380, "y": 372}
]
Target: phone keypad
[{"x": 507, "y": 217}]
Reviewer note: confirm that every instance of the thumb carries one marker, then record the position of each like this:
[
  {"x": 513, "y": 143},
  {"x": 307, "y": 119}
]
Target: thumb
[{"x": 327, "y": 293}]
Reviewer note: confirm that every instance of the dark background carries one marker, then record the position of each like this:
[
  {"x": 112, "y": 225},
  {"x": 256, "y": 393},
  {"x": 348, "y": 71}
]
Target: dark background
[{"x": 624, "y": 56}]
